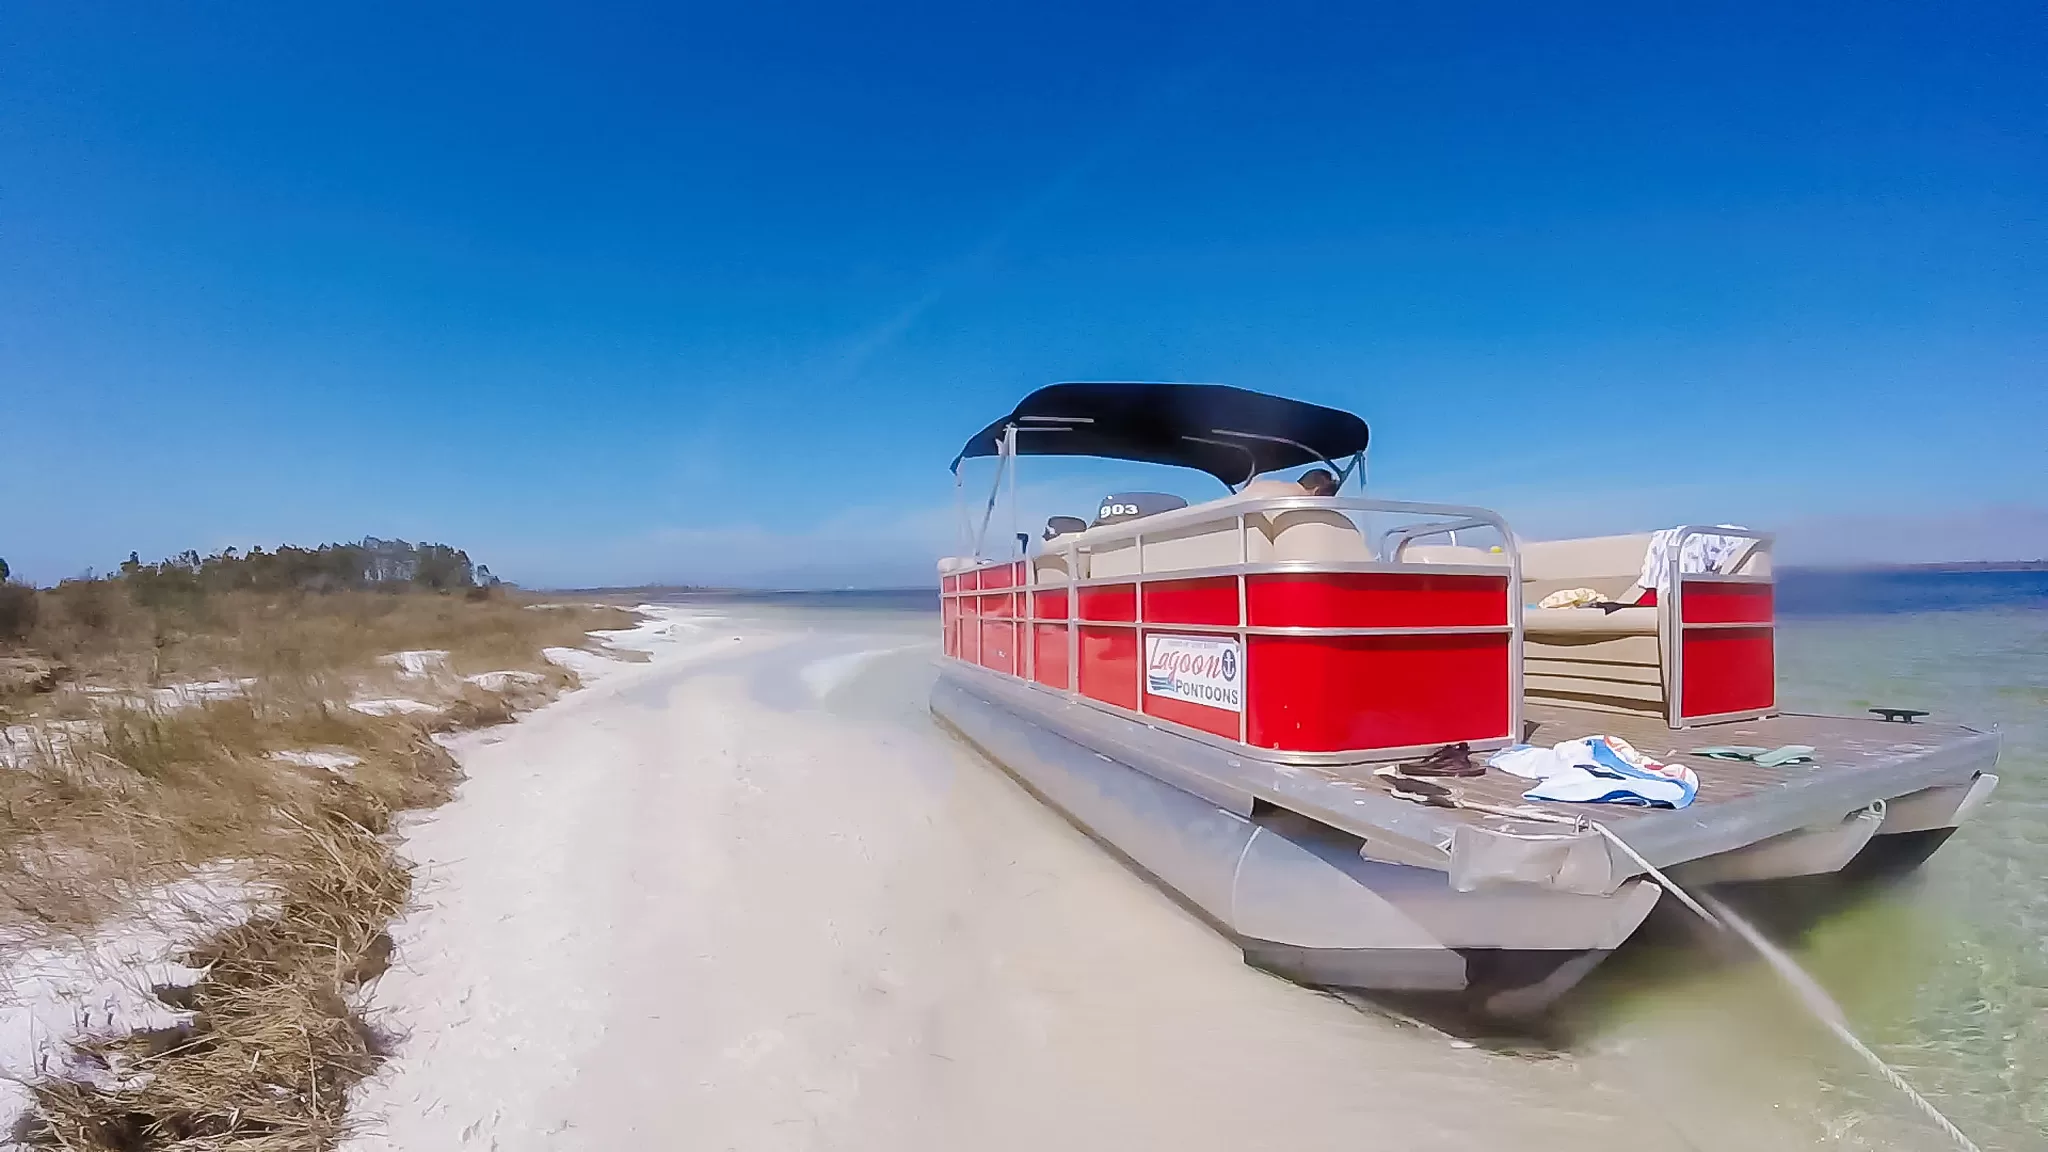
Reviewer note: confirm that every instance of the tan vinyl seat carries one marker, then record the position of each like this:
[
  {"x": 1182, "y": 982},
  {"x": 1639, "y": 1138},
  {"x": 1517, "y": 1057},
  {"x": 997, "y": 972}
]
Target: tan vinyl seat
[
  {"x": 1450, "y": 554},
  {"x": 1607, "y": 661},
  {"x": 1590, "y": 622},
  {"x": 1206, "y": 542},
  {"x": 1611, "y": 661},
  {"x": 1305, "y": 534},
  {"x": 1050, "y": 567},
  {"x": 1608, "y": 565}
]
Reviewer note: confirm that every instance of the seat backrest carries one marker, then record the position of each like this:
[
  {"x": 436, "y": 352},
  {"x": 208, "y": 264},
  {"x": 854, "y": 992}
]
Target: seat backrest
[
  {"x": 1449, "y": 554},
  {"x": 1211, "y": 541},
  {"x": 1608, "y": 565},
  {"x": 1209, "y": 544},
  {"x": 1305, "y": 534},
  {"x": 1050, "y": 568}
]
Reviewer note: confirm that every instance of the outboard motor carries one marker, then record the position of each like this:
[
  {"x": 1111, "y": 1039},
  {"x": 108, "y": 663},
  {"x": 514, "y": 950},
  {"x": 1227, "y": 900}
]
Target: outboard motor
[{"x": 1120, "y": 506}]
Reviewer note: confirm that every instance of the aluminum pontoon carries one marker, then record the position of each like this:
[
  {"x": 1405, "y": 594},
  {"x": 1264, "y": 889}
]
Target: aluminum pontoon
[{"x": 1209, "y": 691}]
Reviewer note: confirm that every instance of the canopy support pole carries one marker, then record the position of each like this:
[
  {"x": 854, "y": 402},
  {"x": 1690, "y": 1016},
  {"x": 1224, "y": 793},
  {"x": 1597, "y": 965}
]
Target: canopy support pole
[
  {"x": 1006, "y": 458},
  {"x": 1011, "y": 436},
  {"x": 963, "y": 520},
  {"x": 1357, "y": 465}
]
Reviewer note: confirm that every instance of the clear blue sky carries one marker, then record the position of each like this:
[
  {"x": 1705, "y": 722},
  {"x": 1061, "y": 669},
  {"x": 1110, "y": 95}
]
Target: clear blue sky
[{"x": 625, "y": 294}]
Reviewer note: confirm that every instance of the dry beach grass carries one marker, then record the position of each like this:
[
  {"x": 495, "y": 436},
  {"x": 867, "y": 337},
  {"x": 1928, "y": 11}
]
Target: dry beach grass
[{"x": 110, "y": 785}]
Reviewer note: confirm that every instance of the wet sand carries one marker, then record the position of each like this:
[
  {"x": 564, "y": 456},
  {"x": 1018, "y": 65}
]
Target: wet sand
[{"x": 749, "y": 896}]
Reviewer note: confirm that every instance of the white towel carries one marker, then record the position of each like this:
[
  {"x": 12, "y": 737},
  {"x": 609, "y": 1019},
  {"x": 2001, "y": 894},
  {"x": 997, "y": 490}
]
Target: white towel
[
  {"x": 1703, "y": 553},
  {"x": 1598, "y": 770}
]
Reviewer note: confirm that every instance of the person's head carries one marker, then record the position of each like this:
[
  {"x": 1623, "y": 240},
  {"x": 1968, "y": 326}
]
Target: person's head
[{"x": 1318, "y": 482}]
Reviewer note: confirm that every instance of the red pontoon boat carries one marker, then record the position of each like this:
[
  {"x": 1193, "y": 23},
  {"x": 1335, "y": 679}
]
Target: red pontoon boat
[{"x": 1216, "y": 691}]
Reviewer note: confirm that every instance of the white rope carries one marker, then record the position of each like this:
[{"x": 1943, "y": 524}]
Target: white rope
[{"x": 1811, "y": 994}]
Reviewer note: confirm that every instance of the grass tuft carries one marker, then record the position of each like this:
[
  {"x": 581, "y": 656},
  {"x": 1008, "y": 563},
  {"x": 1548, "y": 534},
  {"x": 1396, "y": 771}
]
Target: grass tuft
[{"x": 111, "y": 798}]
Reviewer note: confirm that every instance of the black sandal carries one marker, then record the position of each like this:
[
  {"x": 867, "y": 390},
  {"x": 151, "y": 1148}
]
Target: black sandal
[
  {"x": 1428, "y": 793},
  {"x": 1449, "y": 760}
]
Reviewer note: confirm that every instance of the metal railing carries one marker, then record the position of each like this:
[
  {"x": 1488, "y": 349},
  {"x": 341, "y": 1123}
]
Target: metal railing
[{"x": 1235, "y": 513}]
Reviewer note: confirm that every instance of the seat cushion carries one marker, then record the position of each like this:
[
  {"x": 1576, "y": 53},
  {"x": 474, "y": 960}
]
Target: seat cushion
[
  {"x": 1589, "y": 622},
  {"x": 1451, "y": 554},
  {"x": 1305, "y": 534},
  {"x": 1608, "y": 565}
]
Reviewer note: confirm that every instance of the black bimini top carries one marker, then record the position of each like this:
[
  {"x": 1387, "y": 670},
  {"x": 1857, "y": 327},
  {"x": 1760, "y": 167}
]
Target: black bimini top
[{"x": 1230, "y": 433}]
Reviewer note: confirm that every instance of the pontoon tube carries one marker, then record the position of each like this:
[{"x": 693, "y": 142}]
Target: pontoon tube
[{"x": 1293, "y": 893}]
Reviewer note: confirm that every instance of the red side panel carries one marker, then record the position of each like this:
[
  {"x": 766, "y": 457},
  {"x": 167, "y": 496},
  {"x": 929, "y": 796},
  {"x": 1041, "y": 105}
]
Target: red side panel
[
  {"x": 1049, "y": 658},
  {"x": 949, "y": 583},
  {"x": 1727, "y": 669},
  {"x": 1210, "y": 601},
  {"x": 1109, "y": 602},
  {"x": 1050, "y": 604},
  {"x": 1000, "y": 577},
  {"x": 1374, "y": 600},
  {"x": 949, "y": 624},
  {"x": 998, "y": 635},
  {"x": 1109, "y": 664},
  {"x": 1332, "y": 693},
  {"x": 999, "y": 646},
  {"x": 1717, "y": 602},
  {"x": 967, "y": 626},
  {"x": 1215, "y": 720}
]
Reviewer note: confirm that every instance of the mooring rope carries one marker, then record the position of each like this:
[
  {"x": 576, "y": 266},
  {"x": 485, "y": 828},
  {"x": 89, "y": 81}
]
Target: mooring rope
[{"x": 1817, "y": 1000}]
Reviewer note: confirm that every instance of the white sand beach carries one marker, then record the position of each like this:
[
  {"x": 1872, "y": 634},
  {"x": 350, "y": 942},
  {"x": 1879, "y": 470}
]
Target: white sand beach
[{"x": 747, "y": 895}]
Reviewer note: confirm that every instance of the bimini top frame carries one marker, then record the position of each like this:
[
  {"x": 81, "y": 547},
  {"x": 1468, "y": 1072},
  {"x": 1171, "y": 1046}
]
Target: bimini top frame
[{"x": 1232, "y": 434}]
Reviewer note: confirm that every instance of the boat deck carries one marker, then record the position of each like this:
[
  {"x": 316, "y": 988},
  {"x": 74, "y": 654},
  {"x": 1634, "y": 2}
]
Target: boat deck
[
  {"x": 1842, "y": 744},
  {"x": 1858, "y": 761}
]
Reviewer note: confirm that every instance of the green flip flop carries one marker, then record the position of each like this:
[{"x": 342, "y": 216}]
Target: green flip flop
[
  {"x": 1768, "y": 757},
  {"x": 1732, "y": 752}
]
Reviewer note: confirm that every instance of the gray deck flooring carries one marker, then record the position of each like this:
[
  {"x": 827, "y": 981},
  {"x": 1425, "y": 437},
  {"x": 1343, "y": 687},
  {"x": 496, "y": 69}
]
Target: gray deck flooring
[{"x": 1842, "y": 744}]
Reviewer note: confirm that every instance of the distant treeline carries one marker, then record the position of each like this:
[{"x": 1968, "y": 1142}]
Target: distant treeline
[
  {"x": 366, "y": 565},
  {"x": 180, "y": 587}
]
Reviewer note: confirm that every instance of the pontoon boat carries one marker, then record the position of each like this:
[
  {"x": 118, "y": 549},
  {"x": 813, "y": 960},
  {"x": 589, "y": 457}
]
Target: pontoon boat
[{"x": 1224, "y": 692}]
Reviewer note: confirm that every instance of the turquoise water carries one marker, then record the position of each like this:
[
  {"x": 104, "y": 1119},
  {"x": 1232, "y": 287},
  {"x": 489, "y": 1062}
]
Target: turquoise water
[
  {"x": 1945, "y": 975},
  {"x": 1949, "y": 976}
]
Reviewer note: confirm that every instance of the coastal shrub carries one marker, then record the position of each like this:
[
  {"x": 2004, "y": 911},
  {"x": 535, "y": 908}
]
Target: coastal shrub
[
  {"x": 90, "y": 605},
  {"x": 17, "y": 612}
]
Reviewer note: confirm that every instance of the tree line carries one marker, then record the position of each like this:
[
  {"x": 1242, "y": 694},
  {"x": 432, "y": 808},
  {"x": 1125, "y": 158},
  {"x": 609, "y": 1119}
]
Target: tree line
[{"x": 369, "y": 564}]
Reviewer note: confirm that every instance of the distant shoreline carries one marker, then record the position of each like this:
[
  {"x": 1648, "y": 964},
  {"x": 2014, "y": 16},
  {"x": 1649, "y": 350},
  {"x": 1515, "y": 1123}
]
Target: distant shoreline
[
  {"x": 1959, "y": 567},
  {"x": 675, "y": 590},
  {"x": 652, "y": 591}
]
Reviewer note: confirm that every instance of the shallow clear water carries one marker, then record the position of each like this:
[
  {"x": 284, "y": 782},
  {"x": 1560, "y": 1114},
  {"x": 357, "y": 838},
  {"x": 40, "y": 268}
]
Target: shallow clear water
[
  {"x": 1950, "y": 975},
  {"x": 1946, "y": 975}
]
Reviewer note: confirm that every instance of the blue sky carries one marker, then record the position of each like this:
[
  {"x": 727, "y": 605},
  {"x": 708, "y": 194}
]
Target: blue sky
[{"x": 619, "y": 294}]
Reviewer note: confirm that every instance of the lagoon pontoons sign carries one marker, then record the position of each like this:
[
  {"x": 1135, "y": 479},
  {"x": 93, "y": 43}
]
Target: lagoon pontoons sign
[{"x": 1198, "y": 669}]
